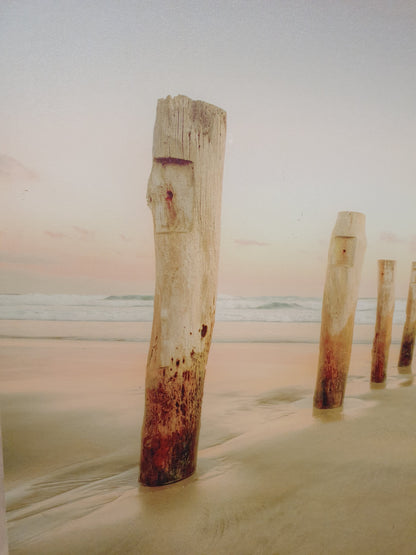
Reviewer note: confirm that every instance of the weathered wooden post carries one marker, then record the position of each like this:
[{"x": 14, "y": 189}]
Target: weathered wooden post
[
  {"x": 3, "y": 530},
  {"x": 184, "y": 194},
  {"x": 345, "y": 260},
  {"x": 409, "y": 330},
  {"x": 384, "y": 320}
]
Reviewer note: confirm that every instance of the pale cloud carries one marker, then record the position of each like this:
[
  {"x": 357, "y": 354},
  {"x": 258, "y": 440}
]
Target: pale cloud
[
  {"x": 83, "y": 234},
  {"x": 412, "y": 243},
  {"x": 55, "y": 234},
  {"x": 10, "y": 168},
  {"x": 24, "y": 259},
  {"x": 250, "y": 243},
  {"x": 390, "y": 237}
]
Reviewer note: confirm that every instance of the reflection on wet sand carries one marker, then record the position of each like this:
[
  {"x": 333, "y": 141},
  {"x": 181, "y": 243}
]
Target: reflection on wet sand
[{"x": 269, "y": 466}]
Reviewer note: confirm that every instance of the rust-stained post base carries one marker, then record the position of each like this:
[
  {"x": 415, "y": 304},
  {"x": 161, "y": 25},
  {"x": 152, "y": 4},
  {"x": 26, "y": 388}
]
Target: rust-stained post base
[
  {"x": 409, "y": 329},
  {"x": 171, "y": 426},
  {"x": 384, "y": 321},
  {"x": 184, "y": 194},
  {"x": 345, "y": 259}
]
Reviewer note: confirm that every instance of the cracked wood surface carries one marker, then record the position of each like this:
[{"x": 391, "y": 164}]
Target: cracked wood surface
[{"x": 184, "y": 195}]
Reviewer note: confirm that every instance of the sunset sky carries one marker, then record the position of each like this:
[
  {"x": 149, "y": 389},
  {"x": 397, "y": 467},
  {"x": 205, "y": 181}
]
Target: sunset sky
[{"x": 321, "y": 106}]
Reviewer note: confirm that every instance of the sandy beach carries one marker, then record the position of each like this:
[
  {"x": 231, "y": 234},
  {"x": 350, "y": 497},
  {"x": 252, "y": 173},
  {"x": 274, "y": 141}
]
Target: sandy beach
[{"x": 273, "y": 477}]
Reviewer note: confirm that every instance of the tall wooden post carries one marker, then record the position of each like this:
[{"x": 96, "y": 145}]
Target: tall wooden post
[
  {"x": 409, "y": 330},
  {"x": 184, "y": 194},
  {"x": 345, "y": 260},
  {"x": 384, "y": 320}
]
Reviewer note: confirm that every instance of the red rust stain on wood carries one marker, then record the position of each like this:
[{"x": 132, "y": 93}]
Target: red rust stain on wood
[
  {"x": 171, "y": 428},
  {"x": 379, "y": 358},
  {"x": 406, "y": 351},
  {"x": 335, "y": 354}
]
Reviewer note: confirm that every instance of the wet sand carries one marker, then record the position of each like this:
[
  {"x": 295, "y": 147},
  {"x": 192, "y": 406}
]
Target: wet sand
[{"x": 272, "y": 477}]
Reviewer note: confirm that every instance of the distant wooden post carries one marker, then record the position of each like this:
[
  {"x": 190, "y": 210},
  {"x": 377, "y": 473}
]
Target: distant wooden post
[
  {"x": 384, "y": 320},
  {"x": 345, "y": 260},
  {"x": 409, "y": 330},
  {"x": 184, "y": 194}
]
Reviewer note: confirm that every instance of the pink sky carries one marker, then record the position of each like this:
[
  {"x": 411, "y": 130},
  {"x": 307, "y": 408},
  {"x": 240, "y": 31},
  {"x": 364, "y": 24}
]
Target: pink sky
[{"x": 321, "y": 119}]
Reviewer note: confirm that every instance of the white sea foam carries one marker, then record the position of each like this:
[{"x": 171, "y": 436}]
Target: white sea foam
[{"x": 139, "y": 308}]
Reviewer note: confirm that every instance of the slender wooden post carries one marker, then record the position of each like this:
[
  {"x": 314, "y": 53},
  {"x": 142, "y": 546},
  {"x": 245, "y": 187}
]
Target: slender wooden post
[
  {"x": 345, "y": 260},
  {"x": 3, "y": 529},
  {"x": 184, "y": 194},
  {"x": 384, "y": 320},
  {"x": 409, "y": 330}
]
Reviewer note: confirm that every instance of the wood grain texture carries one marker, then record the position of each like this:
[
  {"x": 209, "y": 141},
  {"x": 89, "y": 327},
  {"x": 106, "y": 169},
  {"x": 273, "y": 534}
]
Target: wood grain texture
[
  {"x": 384, "y": 320},
  {"x": 184, "y": 194},
  {"x": 345, "y": 260},
  {"x": 409, "y": 329}
]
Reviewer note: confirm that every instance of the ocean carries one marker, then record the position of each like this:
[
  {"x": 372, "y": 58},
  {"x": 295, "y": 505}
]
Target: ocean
[{"x": 139, "y": 308}]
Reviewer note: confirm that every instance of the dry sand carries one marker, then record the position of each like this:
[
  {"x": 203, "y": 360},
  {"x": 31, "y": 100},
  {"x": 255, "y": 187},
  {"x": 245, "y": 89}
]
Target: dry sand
[{"x": 272, "y": 477}]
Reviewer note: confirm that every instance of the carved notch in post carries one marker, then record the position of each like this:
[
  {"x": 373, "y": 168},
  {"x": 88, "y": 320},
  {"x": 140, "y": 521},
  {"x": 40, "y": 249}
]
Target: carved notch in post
[
  {"x": 384, "y": 320},
  {"x": 184, "y": 194},
  {"x": 345, "y": 260},
  {"x": 409, "y": 329}
]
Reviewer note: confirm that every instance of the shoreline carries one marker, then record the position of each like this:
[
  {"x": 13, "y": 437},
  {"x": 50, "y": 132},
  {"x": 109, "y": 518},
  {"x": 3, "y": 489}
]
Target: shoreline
[
  {"x": 269, "y": 467},
  {"x": 224, "y": 332}
]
